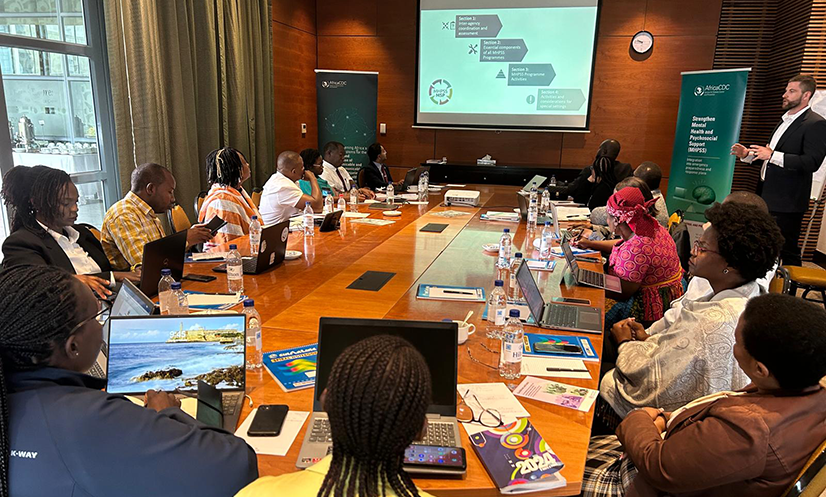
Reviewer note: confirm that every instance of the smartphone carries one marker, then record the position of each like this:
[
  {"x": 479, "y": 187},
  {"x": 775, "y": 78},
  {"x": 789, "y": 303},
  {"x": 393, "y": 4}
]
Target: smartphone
[
  {"x": 268, "y": 421},
  {"x": 431, "y": 456},
  {"x": 198, "y": 277},
  {"x": 571, "y": 300},
  {"x": 558, "y": 348},
  {"x": 215, "y": 224}
]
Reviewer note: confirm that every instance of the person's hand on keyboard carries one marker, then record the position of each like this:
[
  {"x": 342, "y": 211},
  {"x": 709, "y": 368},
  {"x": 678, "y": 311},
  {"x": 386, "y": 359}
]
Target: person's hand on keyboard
[{"x": 159, "y": 400}]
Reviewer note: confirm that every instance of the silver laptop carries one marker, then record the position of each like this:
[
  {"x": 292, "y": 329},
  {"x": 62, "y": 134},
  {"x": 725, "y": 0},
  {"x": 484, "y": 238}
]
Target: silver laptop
[
  {"x": 437, "y": 341},
  {"x": 535, "y": 182},
  {"x": 588, "y": 277},
  {"x": 172, "y": 353},
  {"x": 556, "y": 316}
]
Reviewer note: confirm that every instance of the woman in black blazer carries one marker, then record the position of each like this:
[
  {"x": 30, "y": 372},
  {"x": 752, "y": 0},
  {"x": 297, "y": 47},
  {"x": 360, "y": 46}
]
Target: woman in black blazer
[{"x": 42, "y": 196}]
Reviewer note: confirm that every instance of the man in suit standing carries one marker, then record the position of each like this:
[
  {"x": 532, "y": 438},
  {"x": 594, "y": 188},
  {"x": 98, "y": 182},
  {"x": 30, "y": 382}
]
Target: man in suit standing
[{"x": 787, "y": 162}]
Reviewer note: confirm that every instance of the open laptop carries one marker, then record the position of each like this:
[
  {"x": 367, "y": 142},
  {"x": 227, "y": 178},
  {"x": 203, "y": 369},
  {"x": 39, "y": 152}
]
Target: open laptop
[
  {"x": 437, "y": 342},
  {"x": 167, "y": 253},
  {"x": 535, "y": 182},
  {"x": 556, "y": 316},
  {"x": 271, "y": 253},
  {"x": 174, "y": 352},
  {"x": 523, "y": 200},
  {"x": 588, "y": 277}
]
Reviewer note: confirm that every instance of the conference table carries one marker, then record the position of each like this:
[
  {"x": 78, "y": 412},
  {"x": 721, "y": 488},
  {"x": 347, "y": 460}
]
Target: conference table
[{"x": 294, "y": 295}]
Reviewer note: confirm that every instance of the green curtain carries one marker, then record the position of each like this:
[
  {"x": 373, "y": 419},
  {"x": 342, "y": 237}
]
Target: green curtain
[{"x": 190, "y": 76}]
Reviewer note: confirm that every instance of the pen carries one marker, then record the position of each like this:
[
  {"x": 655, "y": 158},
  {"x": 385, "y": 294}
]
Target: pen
[
  {"x": 458, "y": 293},
  {"x": 567, "y": 370}
]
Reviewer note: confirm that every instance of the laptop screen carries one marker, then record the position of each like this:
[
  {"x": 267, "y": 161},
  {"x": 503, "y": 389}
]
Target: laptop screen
[
  {"x": 570, "y": 257},
  {"x": 531, "y": 291},
  {"x": 555, "y": 221},
  {"x": 436, "y": 341},
  {"x": 169, "y": 352},
  {"x": 131, "y": 302}
]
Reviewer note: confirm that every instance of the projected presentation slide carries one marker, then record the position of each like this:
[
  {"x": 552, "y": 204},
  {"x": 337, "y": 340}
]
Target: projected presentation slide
[{"x": 505, "y": 64}]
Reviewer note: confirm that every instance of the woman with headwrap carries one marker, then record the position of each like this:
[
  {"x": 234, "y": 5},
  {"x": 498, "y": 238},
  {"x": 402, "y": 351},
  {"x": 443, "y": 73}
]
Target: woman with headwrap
[
  {"x": 645, "y": 259},
  {"x": 596, "y": 182}
]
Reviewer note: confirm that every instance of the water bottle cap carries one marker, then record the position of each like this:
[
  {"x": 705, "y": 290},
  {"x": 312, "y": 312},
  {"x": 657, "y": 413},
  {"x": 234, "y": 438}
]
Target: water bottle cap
[
  {"x": 176, "y": 285},
  {"x": 506, "y": 230},
  {"x": 514, "y": 313},
  {"x": 547, "y": 223},
  {"x": 249, "y": 303},
  {"x": 518, "y": 255},
  {"x": 498, "y": 283},
  {"x": 166, "y": 272},
  {"x": 306, "y": 203},
  {"x": 232, "y": 246},
  {"x": 254, "y": 217}
]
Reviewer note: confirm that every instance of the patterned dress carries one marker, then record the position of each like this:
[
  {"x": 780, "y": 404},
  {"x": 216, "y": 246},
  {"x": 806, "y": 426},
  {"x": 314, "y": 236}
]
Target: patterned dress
[{"x": 233, "y": 206}]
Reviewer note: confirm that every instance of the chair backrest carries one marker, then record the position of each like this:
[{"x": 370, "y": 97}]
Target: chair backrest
[
  {"x": 178, "y": 219},
  {"x": 91, "y": 228},
  {"x": 256, "y": 196},
  {"x": 199, "y": 201},
  {"x": 811, "y": 481},
  {"x": 360, "y": 178},
  {"x": 781, "y": 282}
]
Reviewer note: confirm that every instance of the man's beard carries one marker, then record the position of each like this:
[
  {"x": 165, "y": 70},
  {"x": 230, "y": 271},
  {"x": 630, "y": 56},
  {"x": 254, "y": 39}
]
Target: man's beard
[{"x": 790, "y": 104}]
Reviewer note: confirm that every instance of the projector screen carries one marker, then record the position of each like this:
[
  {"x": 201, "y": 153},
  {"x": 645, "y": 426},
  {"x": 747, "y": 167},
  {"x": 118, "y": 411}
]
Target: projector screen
[{"x": 505, "y": 64}]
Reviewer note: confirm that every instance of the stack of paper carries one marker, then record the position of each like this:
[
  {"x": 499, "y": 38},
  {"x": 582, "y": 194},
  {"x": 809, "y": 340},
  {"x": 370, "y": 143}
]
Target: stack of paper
[
  {"x": 510, "y": 217},
  {"x": 494, "y": 396},
  {"x": 573, "y": 213},
  {"x": 460, "y": 293},
  {"x": 560, "y": 394},
  {"x": 220, "y": 301}
]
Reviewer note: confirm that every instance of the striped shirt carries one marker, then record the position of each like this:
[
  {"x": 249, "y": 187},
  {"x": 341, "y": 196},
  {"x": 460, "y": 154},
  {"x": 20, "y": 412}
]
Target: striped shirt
[
  {"x": 129, "y": 225},
  {"x": 234, "y": 207}
]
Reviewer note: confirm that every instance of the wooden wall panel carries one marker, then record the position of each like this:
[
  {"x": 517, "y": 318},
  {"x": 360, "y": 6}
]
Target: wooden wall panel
[
  {"x": 355, "y": 17},
  {"x": 674, "y": 18},
  {"x": 622, "y": 17},
  {"x": 299, "y": 14},
  {"x": 294, "y": 60}
]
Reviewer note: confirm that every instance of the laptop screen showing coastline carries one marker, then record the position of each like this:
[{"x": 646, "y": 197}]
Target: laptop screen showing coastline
[{"x": 169, "y": 352}]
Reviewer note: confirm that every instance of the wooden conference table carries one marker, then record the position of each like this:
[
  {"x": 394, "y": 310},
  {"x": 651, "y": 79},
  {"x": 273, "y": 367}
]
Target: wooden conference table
[{"x": 293, "y": 296}]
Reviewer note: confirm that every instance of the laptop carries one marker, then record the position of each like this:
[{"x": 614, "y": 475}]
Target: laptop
[
  {"x": 523, "y": 200},
  {"x": 436, "y": 340},
  {"x": 172, "y": 353},
  {"x": 568, "y": 317},
  {"x": 271, "y": 253},
  {"x": 535, "y": 182},
  {"x": 167, "y": 253},
  {"x": 328, "y": 222},
  {"x": 588, "y": 277}
]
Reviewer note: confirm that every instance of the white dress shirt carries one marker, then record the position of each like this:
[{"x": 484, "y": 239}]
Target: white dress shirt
[
  {"x": 777, "y": 158},
  {"x": 330, "y": 176},
  {"x": 79, "y": 258},
  {"x": 278, "y": 199}
]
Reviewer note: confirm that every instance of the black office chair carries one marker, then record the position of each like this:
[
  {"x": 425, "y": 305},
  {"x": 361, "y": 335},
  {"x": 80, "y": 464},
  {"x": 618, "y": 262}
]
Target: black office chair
[
  {"x": 199, "y": 201},
  {"x": 360, "y": 178}
]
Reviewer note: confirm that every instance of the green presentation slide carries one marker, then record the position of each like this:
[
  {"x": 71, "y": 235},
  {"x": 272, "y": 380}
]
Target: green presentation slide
[{"x": 505, "y": 62}]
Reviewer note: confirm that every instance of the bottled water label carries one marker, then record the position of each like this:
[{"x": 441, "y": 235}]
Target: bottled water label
[
  {"x": 235, "y": 272},
  {"x": 258, "y": 344},
  {"x": 511, "y": 351},
  {"x": 499, "y": 319}
]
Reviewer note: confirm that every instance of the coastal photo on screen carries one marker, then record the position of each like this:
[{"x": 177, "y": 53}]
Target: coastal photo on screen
[{"x": 169, "y": 352}]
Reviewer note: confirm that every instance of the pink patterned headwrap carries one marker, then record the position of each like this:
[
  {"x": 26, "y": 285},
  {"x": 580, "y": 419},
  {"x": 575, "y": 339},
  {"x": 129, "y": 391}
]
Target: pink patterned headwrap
[{"x": 629, "y": 206}]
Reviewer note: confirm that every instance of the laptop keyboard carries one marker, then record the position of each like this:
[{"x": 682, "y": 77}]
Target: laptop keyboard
[
  {"x": 441, "y": 434},
  {"x": 97, "y": 371},
  {"x": 250, "y": 265},
  {"x": 562, "y": 316},
  {"x": 592, "y": 278},
  {"x": 229, "y": 403}
]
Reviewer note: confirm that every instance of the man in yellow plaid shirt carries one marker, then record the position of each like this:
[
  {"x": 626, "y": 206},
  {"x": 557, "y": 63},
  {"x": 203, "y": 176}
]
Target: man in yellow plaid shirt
[{"x": 133, "y": 221}]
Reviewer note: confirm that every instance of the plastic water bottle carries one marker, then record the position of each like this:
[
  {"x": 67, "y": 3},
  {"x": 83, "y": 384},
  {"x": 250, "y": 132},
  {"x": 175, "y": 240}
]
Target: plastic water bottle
[
  {"x": 497, "y": 303},
  {"x": 354, "y": 196},
  {"x": 342, "y": 204},
  {"x": 309, "y": 224},
  {"x": 426, "y": 176},
  {"x": 545, "y": 205},
  {"x": 533, "y": 214},
  {"x": 255, "y": 236},
  {"x": 510, "y": 355},
  {"x": 390, "y": 193},
  {"x": 533, "y": 193},
  {"x": 328, "y": 204},
  {"x": 515, "y": 292},
  {"x": 552, "y": 181},
  {"x": 422, "y": 190},
  {"x": 235, "y": 270},
  {"x": 179, "y": 299},
  {"x": 255, "y": 357},
  {"x": 165, "y": 291},
  {"x": 505, "y": 249},
  {"x": 545, "y": 242}
]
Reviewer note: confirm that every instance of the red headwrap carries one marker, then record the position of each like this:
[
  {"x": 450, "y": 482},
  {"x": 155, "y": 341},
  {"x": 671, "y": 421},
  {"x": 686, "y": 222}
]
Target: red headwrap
[{"x": 629, "y": 206}]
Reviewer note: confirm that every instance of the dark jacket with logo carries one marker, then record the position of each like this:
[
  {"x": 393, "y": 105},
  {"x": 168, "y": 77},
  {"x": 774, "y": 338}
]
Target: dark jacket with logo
[{"x": 70, "y": 439}]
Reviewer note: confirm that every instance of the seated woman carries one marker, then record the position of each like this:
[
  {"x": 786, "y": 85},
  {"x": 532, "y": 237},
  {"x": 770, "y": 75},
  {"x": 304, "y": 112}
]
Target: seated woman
[
  {"x": 687, "y": 354},
  {"x": 645, "y": 259},
  {"x": 227, "y": 169},
  {"x": 596, "y": 182},
  {"x": 312, "y": 162},
  {"x": 85, "y": 441},
  {"x": 382, "y": 382},
  {"x": 750, "y": 442},
  {"x": 599, "y": 216},
  {"x": 43, "y": 203}
]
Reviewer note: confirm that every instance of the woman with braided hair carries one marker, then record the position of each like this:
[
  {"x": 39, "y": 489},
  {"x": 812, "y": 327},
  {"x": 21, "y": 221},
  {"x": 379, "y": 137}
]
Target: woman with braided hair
[
  {"x": 227, "y": 170},
  {"x": 376, "y": 399},
  {"x": 596, "y": 182},
  {"x": 62, "y": 436},
  {"x": 43, "y": 202}
]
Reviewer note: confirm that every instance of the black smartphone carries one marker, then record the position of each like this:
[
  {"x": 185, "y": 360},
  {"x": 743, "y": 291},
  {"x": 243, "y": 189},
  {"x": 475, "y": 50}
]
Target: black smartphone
[
  {"x": 570, "y": 300},
  {"x": 215, "y": 224},
  {"x": 558, "y": 348},
  {"x": 431, "y": 456},
  {"x": 204, "y": 278},
  {"x": 268, "y": 421}
]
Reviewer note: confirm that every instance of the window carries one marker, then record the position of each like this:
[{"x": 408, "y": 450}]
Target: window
[{"x": 55, "y": 97}]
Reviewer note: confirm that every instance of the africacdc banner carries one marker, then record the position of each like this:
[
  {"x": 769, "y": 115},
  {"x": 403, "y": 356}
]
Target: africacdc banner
[
  {"x": 347, "y": 107},
  {"x": 708, "y": 124}
]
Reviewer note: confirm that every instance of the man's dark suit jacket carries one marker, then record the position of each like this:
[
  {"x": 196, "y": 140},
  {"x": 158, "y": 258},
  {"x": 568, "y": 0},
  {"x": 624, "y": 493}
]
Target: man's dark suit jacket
[
  {"x": 37, "y": 247},
  {"x": 787, "y": 188},
  {"x": 373, "y": 179}
]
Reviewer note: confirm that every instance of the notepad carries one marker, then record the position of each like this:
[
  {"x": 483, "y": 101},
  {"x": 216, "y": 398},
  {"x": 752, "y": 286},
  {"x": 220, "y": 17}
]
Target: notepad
[
  {"x": 433, "y": 228},
  {"x": 458, "y": 293}
]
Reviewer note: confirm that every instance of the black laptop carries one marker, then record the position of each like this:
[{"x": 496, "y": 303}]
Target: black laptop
[
  {"x": 167, "y": 253},
  {"x": 271, "y": 253}
]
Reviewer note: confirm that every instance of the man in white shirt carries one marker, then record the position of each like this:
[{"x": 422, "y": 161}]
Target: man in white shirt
[
  {"x": 788, "y": 161},
  {"x": 282, "y": 198},
  {"x": 337, "y": 176}
]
